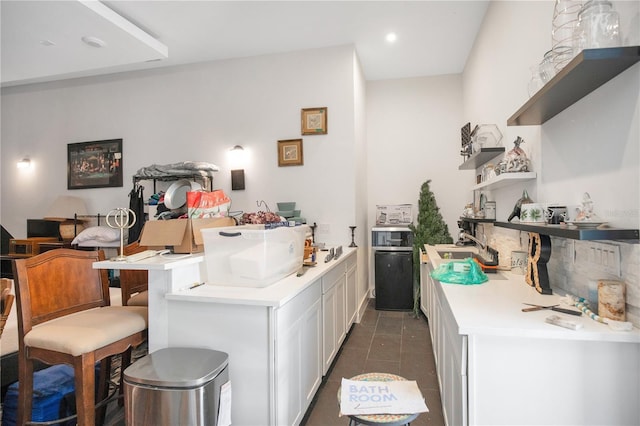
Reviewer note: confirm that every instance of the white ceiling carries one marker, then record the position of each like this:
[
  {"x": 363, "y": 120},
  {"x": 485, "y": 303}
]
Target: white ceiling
[{"x": 433, "y": 37}]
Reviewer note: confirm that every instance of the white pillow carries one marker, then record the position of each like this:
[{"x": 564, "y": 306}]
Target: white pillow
[{"x": 98, "y": 233}]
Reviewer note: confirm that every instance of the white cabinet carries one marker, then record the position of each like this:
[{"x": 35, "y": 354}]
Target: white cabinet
[
  {"x": 299, "y": 344},
  {"x": 499, "y": 366},
  {"x": 449, "y": 349},
  {"x": 333, "y": 314},
  {"x": 275, "y": 336}
]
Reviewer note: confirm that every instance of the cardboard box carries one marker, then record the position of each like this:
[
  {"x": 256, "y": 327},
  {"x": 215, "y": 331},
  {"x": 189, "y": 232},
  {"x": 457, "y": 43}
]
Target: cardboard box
[
  {"x": 182, "y": 235},
  {"x": 399, "y": 214}
]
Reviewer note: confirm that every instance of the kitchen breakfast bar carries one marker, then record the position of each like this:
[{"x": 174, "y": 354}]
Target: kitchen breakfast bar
[{"x": 280, "y": 338}]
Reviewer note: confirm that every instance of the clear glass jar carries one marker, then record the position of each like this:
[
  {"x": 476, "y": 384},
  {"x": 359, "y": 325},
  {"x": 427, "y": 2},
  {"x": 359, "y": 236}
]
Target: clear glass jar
[
  {"x": 565, "y": 18},
  {"x": 547, "y": 70},
  {"x": 598, "y": 26},
  {"x": 536, "y": 82},
  {"x": 561, "y": 57}
]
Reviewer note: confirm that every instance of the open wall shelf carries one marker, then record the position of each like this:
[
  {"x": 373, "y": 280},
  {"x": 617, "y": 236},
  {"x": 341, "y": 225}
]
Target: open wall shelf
[
  {"x": 505, "y": 179},
  {"x": 573, "y": 232},
  {"x": 589, "y": 70},
  {"x": 479, "y": 158}
]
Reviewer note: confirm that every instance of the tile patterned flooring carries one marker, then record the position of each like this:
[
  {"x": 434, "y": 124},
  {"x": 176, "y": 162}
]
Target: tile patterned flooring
[
  {"x": 386, "y": 342},
  {"x": 383, "y": 341}
]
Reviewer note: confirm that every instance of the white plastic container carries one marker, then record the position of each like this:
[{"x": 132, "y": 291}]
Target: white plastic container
[{"x": 252, "y": 256}]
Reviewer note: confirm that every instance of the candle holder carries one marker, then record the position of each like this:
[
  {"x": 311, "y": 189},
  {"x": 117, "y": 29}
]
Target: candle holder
[
  {"x": 353, "y": 243},
  {"x": 120, "y": 218},
  {"x": 313, "y": 232}
]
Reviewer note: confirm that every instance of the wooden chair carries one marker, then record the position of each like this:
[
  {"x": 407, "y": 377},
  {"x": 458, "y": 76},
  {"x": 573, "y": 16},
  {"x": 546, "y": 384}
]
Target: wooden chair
[
  {"x": 64, "y": 317},
  {"x": 7, "y": 301},
  {"x": 134, "y": 284}
]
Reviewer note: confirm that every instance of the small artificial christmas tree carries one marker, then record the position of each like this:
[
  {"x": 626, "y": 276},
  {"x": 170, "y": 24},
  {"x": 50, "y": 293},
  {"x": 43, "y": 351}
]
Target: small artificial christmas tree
[{"x": 430, "y": 229}]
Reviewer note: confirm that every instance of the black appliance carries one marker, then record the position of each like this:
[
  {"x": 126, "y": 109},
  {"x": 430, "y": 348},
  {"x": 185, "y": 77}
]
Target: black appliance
[{"x": 393, "y": 263}]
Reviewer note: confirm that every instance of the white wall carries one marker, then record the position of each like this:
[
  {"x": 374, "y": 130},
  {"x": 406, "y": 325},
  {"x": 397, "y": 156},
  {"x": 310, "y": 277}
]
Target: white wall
[
  {"x": 592, "y": 146},
  {"x": 198, "y": 113},
  {"x": 413, "y": 135}
]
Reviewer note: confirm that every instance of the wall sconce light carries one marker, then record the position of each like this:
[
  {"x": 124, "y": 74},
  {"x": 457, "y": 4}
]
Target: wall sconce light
[{"x": 25, "y": 163}]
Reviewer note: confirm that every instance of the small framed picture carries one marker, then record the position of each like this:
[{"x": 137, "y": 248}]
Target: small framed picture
[
  {"x": 290, "y": 152},
  {"x": 96, "y": 164},
  {"x": 314, "y": 121}
]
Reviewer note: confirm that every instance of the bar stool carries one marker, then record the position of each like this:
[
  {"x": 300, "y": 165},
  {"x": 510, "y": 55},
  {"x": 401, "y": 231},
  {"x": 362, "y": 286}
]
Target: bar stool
[
  {"x": 134, "y": 284},
  {"x": 64, "y": 317},
  {"x": 379, "y": 419}
]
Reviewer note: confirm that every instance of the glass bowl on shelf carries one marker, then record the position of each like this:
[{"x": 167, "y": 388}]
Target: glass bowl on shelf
[{"x": 486, "y": 136}]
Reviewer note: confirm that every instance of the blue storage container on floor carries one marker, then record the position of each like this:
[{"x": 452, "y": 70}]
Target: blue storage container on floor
[{"x": 49, "y": 388}]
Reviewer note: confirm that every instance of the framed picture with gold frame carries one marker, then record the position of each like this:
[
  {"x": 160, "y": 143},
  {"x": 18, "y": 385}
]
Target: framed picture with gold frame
[
  {"x": 314, "y": 121},
  {"x": 290, "y": 152}
]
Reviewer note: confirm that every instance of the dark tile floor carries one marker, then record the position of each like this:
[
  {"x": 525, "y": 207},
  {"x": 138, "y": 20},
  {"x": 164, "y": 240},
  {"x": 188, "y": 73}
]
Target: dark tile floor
[{"x": 385, "y": 342}]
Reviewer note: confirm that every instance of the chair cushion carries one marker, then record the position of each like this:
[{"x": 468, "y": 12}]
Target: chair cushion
[
  {"x": 139, "y": 299},
  {"x": 87, "y": 331}
]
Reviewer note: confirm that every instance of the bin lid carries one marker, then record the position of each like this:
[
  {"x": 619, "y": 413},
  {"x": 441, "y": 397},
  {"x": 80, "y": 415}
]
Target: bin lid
[{"x": 177, "y": 367}]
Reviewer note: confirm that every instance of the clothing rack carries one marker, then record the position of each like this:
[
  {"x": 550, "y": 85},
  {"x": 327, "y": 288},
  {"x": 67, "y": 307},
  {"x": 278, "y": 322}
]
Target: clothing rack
[{"x": 206, "y": 180}]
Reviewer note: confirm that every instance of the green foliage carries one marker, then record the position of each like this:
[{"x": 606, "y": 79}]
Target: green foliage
[{"x": 430, "y": 229}]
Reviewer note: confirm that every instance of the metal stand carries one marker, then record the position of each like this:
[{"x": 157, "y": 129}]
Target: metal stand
[{"x": 120, "y": 218}]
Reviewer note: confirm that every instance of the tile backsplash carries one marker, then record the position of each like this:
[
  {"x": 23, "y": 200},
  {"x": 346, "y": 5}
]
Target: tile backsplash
[{"x": 571, "y": 267}]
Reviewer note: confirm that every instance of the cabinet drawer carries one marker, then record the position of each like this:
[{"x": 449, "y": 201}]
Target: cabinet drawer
[
  {"x": 331, "y": 278},
  {"x": 352, "y": 261}
]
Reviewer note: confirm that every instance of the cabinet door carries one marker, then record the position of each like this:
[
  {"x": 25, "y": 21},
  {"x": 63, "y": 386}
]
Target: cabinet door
[
  {"x": 329, "y": 337},
  {"x": 452, "y": 367},
  {"x": 352, "y": 294},
  {"x": 297, "y": 356},
  {"x": 289, "y": 390},
  {"x": 341, "y": 310},
  {"x": 426, "y": 289},
  {"x": 311, "y": 376},
  {"x": 333, "y": 313}
]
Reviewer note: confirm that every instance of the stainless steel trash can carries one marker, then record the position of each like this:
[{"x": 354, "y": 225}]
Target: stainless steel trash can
[{"x": 175, "y": 386}]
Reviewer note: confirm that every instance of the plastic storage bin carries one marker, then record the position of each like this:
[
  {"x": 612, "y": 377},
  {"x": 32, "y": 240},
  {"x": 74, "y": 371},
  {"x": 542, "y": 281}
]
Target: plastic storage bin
[
  {"x": 175, "y": 386},
  {"x": 251, "y": 256}
]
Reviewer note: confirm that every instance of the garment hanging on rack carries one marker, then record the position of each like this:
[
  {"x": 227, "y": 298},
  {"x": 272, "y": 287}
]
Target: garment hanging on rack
[{"x": 136, "y": 203}]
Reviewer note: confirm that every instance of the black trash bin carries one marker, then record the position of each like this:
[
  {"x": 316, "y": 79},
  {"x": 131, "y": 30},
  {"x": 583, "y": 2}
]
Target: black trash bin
[{"x": 175, "y": 386}]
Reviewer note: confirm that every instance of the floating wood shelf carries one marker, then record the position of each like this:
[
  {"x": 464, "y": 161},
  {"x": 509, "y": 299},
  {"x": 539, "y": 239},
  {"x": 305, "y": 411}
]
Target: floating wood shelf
[
  {"x": 477, "y": 159},
  {"x": 505, "y": 179},
  {"x": 573, "y": 232},
  {"x": 589, "y": 70}
]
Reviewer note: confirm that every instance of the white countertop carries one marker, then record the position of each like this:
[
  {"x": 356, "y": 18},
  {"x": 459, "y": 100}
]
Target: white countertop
[
  {"x": 273, "y": 295},
  {"x": 163, "y": 262},
  {"x": 495, "y": 308}
]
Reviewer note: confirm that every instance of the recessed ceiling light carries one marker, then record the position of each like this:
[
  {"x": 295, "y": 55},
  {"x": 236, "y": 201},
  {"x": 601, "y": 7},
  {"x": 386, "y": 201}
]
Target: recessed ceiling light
[
  {"x": 93, "y": 41},
  {"x": 391, "y": 37}
]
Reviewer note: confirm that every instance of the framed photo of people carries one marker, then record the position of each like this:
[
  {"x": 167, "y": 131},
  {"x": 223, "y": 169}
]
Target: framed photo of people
[{"x": 96, "y": 164}]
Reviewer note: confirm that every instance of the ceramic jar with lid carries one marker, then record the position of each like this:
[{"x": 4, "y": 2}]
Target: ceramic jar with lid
[{"x": 598, "y": 26}]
